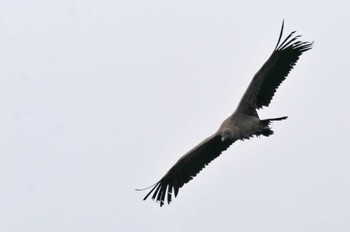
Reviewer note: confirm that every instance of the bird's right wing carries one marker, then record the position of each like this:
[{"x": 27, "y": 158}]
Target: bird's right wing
[
  {"x": 275, "y": 70},
  {"x": 187, "y": 167}
]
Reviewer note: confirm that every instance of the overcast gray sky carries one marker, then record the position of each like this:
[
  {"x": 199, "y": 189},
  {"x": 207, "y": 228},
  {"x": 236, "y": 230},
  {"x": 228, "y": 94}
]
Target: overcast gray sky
[{"x": 98, "y": 98}]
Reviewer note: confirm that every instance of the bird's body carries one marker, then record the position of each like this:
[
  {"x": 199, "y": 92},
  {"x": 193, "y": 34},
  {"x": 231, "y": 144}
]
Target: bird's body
[
  {"x": 239, "y": 126},
  {"x": 243, "y": 124}
]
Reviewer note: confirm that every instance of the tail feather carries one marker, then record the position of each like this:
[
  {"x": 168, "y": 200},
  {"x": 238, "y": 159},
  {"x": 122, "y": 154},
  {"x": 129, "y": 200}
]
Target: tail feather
[
  {"x": 277, "y": 119},
  {"x": 266, "y": 131},
  {"x": 266, "y": 122}
]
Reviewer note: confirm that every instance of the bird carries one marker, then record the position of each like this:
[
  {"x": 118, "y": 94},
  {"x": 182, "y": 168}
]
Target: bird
[{"x": 243, "y": 124}]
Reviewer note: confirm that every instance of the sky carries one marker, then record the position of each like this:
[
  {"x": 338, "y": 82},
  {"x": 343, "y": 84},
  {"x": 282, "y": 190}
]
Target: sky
[{"x": 98, "y": 98}]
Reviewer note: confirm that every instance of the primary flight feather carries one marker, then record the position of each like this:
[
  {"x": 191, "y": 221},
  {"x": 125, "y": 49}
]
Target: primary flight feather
[{"x": 242, "y": 124}]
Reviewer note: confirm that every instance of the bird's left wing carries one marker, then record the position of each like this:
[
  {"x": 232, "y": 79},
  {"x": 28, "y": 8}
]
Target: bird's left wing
[
  {"x": 187, "y": 167},
  {"x": 275, "y": 70}
]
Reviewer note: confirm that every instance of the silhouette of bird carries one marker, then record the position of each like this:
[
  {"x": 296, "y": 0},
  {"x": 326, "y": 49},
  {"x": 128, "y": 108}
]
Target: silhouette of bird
[{"x": 244, "y": 123}]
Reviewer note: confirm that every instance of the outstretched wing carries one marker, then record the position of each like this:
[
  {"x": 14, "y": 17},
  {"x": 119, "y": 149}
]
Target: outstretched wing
[
  {"x": 275, "y": 70},
  {"x": 187, "y": 167}
]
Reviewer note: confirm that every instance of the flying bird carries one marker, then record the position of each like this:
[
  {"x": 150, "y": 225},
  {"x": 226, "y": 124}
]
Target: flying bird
[{"x": 243, "y": 124}]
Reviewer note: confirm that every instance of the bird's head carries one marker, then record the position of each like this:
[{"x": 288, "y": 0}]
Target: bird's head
[{"x": 227, "y": 135}]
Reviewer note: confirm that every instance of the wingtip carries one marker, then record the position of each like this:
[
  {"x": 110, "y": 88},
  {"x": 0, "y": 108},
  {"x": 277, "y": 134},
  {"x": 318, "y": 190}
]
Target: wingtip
[
  {"x": 146, "y": 187},
  {"x": 281, "y": 33}
]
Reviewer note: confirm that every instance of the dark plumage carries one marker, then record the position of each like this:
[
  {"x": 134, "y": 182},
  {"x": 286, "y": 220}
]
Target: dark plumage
[{"x": 244, "y": 123}]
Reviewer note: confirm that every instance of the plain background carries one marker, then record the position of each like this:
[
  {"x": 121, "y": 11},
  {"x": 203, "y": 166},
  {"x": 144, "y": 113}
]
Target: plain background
[{"x": 98, "y": 98}]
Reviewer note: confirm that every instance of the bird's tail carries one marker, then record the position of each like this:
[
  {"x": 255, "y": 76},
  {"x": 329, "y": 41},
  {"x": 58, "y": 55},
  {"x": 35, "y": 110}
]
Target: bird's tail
[
  {"x": 273, "y": 119},
  {"x": 266, "y": 131}
]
